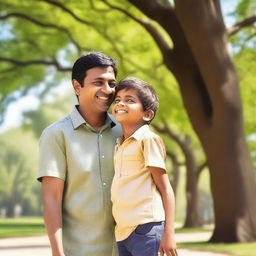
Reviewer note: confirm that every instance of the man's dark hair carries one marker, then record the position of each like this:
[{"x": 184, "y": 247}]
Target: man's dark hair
[
  {"x": 146, "y": 92},
  {"x": 91, "y": 60}
]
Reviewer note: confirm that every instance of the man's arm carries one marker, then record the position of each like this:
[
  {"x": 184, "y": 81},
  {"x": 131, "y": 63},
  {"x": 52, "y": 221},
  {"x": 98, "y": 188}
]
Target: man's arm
[{"x": 52, "y": 198}]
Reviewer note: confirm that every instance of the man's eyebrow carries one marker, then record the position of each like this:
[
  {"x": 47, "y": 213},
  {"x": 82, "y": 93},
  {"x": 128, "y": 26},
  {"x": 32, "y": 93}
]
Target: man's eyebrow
[
  {"x": 98, "y": 78},
  {"x": 102, "y": 79}
]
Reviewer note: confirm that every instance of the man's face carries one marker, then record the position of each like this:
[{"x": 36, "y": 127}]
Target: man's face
[{"x": 98, "y": 89}]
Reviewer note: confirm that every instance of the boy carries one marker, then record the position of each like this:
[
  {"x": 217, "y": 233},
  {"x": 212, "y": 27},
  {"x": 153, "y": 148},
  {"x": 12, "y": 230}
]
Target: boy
[{"x": 142, "y": 197}]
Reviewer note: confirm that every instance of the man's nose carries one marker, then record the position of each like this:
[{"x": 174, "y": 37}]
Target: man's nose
[{"x": 107, "y": 89}]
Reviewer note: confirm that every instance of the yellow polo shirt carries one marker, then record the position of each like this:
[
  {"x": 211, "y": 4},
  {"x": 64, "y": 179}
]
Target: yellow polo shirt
[
  {"x": 134, "y": 195},
  {"x": 75, "y": 152}
]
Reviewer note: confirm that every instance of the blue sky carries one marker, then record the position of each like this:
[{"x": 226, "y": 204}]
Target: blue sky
[{"x": 29, "y": 102}]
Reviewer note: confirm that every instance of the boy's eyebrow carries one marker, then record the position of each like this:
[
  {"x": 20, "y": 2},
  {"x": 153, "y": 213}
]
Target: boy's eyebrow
[
  {"x": 130, "y": 96},
  {"x": 126, "y": 96}
]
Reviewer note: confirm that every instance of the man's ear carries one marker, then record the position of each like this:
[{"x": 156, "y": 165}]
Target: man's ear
[
  {"x": 148, "y": 115},
  {"x": 76, "y": 86}
]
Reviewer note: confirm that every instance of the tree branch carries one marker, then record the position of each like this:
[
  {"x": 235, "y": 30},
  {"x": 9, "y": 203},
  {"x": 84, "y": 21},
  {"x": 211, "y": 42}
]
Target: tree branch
[
  {"x": 54, "y": 63},
  {"x": 174, "y": 158},
  {"x": 166, "y": 130},
  {"x": 163, "y": 14},
  {"x": 201, "y": 168},
  {"x": 150, "y": 27},
  {"x": 85, "y": 22},
  {"x": 240, "y": 25},
  {"x": 218, "y": 10},
  {"x": 93, "y": 7},
  {"x": 41, "y": 24},
  {"x": 2, "y": 71},
  {"x": 65, "y": 9}
]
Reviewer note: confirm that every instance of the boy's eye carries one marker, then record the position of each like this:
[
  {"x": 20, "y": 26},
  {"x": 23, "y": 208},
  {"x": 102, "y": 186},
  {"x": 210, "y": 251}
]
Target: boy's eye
[
  {"x": 130, "y": 100},
  {"x": 116, "y": 101}
]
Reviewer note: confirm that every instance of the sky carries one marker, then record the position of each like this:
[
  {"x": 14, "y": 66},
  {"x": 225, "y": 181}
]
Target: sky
[
  {"x": 31, "y": 101},
  {"x": 13, "y": 116}
]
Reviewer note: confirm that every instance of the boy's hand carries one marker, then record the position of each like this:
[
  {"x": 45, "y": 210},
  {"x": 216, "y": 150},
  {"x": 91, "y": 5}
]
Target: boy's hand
[{"x": 167, "y": 247}]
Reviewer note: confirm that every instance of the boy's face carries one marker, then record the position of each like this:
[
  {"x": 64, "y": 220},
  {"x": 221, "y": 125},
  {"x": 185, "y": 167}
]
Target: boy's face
[
  {"x": 98, "y": 89},
  {"x": 128, "y": 109}
]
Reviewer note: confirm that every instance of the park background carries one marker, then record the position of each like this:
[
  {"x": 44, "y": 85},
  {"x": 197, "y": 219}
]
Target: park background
[{"x": 185, "y": 50}]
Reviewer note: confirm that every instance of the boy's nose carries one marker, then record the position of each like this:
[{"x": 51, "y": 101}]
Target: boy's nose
[{"x": 120, "y": 103}]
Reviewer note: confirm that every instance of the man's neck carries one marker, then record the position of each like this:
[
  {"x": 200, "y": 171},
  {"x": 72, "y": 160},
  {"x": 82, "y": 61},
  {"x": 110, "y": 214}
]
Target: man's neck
[{"x": 96, "y": 120}]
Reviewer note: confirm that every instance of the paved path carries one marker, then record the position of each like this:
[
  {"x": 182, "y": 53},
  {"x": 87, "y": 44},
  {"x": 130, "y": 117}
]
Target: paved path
[
  {"x": 25, "y": 246},
  {"x": 194, "y": 237},
  {"x": 39, "y": 246}
]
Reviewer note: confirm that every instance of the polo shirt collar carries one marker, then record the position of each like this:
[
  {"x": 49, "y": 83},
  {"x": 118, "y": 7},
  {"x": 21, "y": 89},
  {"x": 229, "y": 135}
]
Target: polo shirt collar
[
  {"x": 78, "y": 120},
  {"x": 136, "y": 135},
  {"x": 76, "y": 117}
]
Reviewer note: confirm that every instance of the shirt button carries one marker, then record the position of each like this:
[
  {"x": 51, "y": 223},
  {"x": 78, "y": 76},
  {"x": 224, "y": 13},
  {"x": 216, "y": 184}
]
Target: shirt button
[
  {"x": 104, "y": 183},
  {"x": 103, "y": 156}
]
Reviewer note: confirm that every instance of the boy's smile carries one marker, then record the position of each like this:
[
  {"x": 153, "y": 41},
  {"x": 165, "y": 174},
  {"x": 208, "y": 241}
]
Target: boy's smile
[{"x": 128, "y": 108}]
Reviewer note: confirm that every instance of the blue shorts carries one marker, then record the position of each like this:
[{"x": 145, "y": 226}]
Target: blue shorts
[{"x": 143, "y": 241}]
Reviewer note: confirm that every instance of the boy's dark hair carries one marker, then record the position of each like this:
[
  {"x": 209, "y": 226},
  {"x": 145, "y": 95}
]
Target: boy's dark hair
[
  {"x": 88, "y": 61},
  {"x": 146, "y": 92}
]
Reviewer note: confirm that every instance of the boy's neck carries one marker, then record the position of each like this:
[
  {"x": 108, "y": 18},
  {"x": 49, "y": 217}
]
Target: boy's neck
[{"x": 128, "y": 130}]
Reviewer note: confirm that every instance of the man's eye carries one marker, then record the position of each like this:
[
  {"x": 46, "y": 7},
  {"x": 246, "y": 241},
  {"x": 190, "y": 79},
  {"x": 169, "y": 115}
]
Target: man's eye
[{"x": 112, "y": 84}]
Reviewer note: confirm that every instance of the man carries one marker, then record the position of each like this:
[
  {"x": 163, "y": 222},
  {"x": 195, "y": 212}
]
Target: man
[{"x": 76, "y": 164}]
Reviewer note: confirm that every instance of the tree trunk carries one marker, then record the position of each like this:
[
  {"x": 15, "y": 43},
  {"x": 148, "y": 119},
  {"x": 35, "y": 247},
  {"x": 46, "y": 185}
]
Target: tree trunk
[
  {"x": 192, "y": 210},
  {"x": 175, "y": 171},
  {"x": 201, "y": 63},
  {"x": 221, "y": 128}
]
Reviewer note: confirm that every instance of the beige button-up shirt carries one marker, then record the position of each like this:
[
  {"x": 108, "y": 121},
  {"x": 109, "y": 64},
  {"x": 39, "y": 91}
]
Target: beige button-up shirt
[
  {"x": 135, "y": 197},
  {"x": 75, "y": 152}
]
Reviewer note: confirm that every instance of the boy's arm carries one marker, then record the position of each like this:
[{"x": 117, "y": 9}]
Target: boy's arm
[
  {"x": 52, "y": 197},
  {"x": 168, "y": 244}
]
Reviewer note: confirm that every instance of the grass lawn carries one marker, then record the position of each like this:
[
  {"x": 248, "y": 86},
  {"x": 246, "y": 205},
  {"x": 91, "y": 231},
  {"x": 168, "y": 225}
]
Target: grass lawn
[
  {"x": 25, "y": 226},
  {"x": 242, "y": 249},
  {"x": 234, "y": 249}
]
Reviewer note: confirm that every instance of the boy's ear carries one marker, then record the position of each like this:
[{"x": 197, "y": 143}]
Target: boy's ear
[
  {"x": 148, "y": 115},
  {"x": 76, "y": 86}
]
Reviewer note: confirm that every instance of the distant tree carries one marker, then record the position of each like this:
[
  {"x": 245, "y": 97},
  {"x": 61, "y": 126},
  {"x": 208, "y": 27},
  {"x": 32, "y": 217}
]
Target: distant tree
[
  {"x": 17, "y": 183},
  {"x": 14, "y": 177}
]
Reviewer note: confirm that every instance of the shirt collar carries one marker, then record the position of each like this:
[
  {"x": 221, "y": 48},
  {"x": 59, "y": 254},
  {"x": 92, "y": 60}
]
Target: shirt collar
[
  {"x": 139, "y": 132},
  {"x": 136, "y": 135},
  {"x": 78, "y": 120}
]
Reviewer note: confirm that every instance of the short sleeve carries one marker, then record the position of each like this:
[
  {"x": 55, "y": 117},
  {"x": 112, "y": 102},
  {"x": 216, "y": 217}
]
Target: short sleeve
[
  {"x": 154, "y": 152},
  {"x": 52, "y": 156}
]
